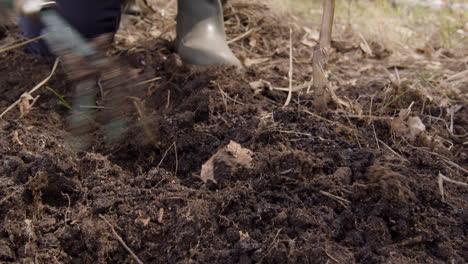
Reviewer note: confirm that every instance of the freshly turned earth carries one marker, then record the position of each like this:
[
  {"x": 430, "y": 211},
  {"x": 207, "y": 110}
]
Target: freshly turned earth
[{"x": 319, "y": 189}]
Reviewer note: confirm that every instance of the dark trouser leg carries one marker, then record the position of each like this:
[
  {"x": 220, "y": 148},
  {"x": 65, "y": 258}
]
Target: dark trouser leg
[{"x": 90, "y": 17}]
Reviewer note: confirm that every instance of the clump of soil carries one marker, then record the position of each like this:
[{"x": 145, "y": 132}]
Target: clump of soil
[{"x": 335, "y": 188}]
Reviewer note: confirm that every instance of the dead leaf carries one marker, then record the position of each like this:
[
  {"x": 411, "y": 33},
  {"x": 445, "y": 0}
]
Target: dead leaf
[
  {"x": 404, "y": 114},
  {"x": 410, "y": 129},
  {"x": 143, "y": 221},
  {"x": 15, "y": 138},
  {"x": 365, "y": 46},
  {"x": 348, "y": 31},
  {"x": 259, "y": 85},
  {"x": 398, "y": 126},
  {"x": 253, "y": 40},
  {"x": 241, "y": 155},
  {"x": 416, "y": 127},
  {"x": 233, "y": 156},
  {"x": 312, "y": 34},
  {"x": 358, "y": 109},
  {"x": 309, "y": 43},
  {"x": 311, "y": 37},
  {"x": 26, "y": 103}
]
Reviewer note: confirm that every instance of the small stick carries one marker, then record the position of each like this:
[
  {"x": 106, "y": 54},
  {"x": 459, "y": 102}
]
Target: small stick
[
  {"x": 176, "y": 159},
  {"x": 445, "y": 178},
  {"x": 149, "y": 81},
  {"x": 440, "y": 181},
  {"x": 393, "y": 151},
  {"x": 371, "y": 104},
  {"x": 340, "y": 200},
  {"x": 294, "y": 89},
  {"x": 39, "y": 85},
  {"x": 225, "y": 95},
  {"x": 168, "y": 99},
  {"x": 447, "y": 160},
  {"x": 375, "y": 135},
  {"x": 246, "y": 34},
  {"x": 290, "y": 74},
  {"x": 330, "y": 256},
  {"x": 452, "y": 113},
  {"x": 19, "y": 189},
  {"x": 164, "y": 155},
  {"x": 122, "y": 242},
  {"x": 328, "y": 120},
  {"x": 274, "y": 241},
  {"x": 21, "y": 44},
  {"x": 94, "y": 107},
  {"x": 160, "y": 215}
]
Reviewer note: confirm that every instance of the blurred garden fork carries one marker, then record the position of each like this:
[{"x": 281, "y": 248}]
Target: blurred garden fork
[{"x": 85, "y": 65}]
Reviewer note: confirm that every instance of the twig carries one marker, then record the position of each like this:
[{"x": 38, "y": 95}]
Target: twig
[
  {"x": 176, "y": 159},
  {"x": 39, "y": 85},
  {"x": 375, "y": 135},
  {"x": 246, "y": 34},
  {"x": 330, "y": 256},
  {"x": 149, "y": 81},
  {"x": 168, "y": 99},
  {"x": 367, "y": 116},
  {"x": 290, "y": 74},
  {"x": 274, "y": 241},
  {"x": 224, "y": 94},
  {"x": 94, "y": 107},
  {"x": 122, "y": 242},
  {"x": 18, "y": 190},
  {"x": 443, "y": 178},
  {"x": 21, "y": 44},
  {"x": 56, "y": 260},
  {"x": 327, "y": 120},
  {"x": 393, "y": 151},
  {"x": 165, "y": 154},
  {"x": 295, "y": 133},
  {"x": 340, "y": 200},
  {"x": 294, "y": 89},
  {"x": 440, "y": 182},
  {"x": 447, "y": 160}
]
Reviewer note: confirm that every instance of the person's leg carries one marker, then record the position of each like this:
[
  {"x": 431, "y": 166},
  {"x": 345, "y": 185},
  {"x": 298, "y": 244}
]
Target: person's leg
[
  {"x": 201, "y": 39},
  {"x": 90, "y": 17}
]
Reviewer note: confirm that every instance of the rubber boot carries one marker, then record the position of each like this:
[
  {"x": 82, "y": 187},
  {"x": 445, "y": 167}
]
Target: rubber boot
[{"x": 201, "y": 39}]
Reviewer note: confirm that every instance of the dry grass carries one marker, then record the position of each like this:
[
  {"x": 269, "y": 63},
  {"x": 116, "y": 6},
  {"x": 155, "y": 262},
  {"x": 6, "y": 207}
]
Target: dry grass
[{"x": 399, "y": 27}]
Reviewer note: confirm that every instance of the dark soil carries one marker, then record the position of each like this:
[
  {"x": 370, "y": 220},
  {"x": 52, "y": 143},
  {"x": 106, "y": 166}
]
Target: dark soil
[{"x": 320, "y": 189}]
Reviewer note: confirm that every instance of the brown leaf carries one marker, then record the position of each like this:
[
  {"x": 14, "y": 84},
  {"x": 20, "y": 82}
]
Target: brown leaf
[
  {"x": 26, "y": 103},
  {"x": 416, "y": 127},
  {"x": 233, "y": 156}
]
